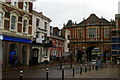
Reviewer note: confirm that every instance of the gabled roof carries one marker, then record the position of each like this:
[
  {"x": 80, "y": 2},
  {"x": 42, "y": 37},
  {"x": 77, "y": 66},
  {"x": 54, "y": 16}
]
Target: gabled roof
[
  {"x": 14, "y": 11},
  {"x": 93, "y": 20}
]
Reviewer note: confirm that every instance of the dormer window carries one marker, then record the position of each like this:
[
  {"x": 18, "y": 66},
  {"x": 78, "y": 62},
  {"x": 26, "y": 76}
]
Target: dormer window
[
  {"x": 13, "y": 23},
  {"x": 14, "y": 2}
]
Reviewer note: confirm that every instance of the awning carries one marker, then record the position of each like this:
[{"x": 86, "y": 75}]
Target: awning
[{"x": 8, "y": 38}]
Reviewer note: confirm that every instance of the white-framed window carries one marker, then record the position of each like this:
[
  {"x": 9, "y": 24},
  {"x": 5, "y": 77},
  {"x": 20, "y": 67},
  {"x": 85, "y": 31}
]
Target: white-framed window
[
  {"x": 1, "y": 19},
  {"x": 25, "y": 6},
  {"x": 13, "y": 22},
  {"x": 37, "y": 21},
  {"x": 25, "y": 26},
  {"x": 106, "y": 32},
  {"x": 92, "y": 33},
  {"x": 45, "y": 25},
  {"x": 14, "y": 2}
]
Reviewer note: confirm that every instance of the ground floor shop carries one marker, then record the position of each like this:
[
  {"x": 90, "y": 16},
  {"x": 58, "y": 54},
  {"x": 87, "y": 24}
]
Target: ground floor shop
[
  {"x": 40, "y": 54},
  {"x": 15, "y": 51}
]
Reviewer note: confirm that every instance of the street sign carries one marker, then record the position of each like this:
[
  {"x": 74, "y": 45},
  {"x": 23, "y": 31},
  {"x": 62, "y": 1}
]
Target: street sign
[{"x": 1, "y": 37}]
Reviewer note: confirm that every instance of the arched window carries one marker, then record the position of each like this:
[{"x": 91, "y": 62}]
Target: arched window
[
  {"x": 13, "y": 23},
  {"x": 1, "y": 19}
]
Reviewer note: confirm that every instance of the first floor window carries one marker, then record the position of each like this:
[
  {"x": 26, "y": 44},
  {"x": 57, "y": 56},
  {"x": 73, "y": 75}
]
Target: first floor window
[
  {"x": 92, "y": 33},
  {"x": 13, "y": 22},
  {"x": 79, "y": 33},
  {"x": 106, "y": 33},
  {"x": 1, "y": 18},
  {"x": 37, "y": 21},
  {"x": 45, "y": 25},
  {"x": 25, "y": 26}
]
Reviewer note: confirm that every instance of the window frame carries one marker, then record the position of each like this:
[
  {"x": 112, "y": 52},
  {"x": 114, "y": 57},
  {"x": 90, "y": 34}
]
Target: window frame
[
  {"x": 37, "y": 22},
  {"x": 26, "y": 30},
  {"x": 15, "y": 21},
  {"x": 91, "y": 33},
  {"x": 106, "y": 35},
  {"x": 14, "y": 3},
  {"x": 25, "y": 7},
  {"x": 45, "y": 25},
  {"x": 1, "y": 20},
  {"x": 80, "y": 33}
]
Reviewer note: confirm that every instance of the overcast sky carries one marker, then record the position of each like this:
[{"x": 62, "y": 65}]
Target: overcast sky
[{"x": 60, "y": 11}]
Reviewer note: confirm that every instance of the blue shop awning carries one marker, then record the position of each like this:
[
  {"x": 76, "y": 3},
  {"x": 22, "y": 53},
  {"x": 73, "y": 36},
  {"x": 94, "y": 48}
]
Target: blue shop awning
[{"x": 8, "y": 38}]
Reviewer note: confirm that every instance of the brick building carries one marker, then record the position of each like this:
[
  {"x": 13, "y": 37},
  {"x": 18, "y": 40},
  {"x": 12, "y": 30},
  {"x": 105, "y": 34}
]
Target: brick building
[
  {"x": 116, "y": 40},
  {"x": 90, "y": 39},
  {"x": 16, "y": 32},
  {"x": 57, "y": 49}
]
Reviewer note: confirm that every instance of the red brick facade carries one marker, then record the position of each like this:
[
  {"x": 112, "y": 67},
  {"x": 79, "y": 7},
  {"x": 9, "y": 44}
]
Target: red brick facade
[{"x": 87, "y": 43}]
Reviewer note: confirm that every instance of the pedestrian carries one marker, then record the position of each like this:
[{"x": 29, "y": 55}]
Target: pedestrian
[
  {"x": 13, "y": 60},
  {"x": 16, "y": 61}
]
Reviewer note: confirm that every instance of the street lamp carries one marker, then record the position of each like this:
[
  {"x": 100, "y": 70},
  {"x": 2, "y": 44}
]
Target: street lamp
[
  {"x": 84, "y": 55},
  {"x": 61, "y": 61},
  {"x": 71, "y": 59}
]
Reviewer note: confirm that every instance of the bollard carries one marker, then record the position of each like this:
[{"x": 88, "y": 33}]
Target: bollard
[
  {"x": 81, "y": 70},
  {"x": 101, "y": 66},
  {"x": 21, "y": 75},
  {"x": 85, "y": 68},
  {"x": 93, "y": 67},
  {"x": 96, "y": 67},
  {"x": 63, "y": 73},
  {"x": 47, "y": 74},
  {"x": 106, "y": 65},
  {"x": 89, "y": 68},
  {"x": 73, "y": 72},
  {"x": 61, "y": 65},
  {"x": 70, "y": 63}
]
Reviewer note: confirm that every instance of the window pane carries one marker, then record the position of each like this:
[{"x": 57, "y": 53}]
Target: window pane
[
  {"x": 106, "y": 33},
  {"x": 92, "y": 33},
  {"x": 1, "y": 15},
  {"x": 25, "y": 6},
  {"x": 45, "y": 25},
  {"x": 37, "y": 22},
  {"x": 25, "y": 26},
  {"x": 80, "y": 33},
  {"x": 13, "y": 22},
  {"x": 14, "y": 2}
]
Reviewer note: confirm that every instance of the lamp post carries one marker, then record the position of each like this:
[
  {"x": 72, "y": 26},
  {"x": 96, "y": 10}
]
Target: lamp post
[
  {"x": 84, "y": 55},
  {"x": 71, "y": 59},
  {"x": 60, "y": 59}
]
